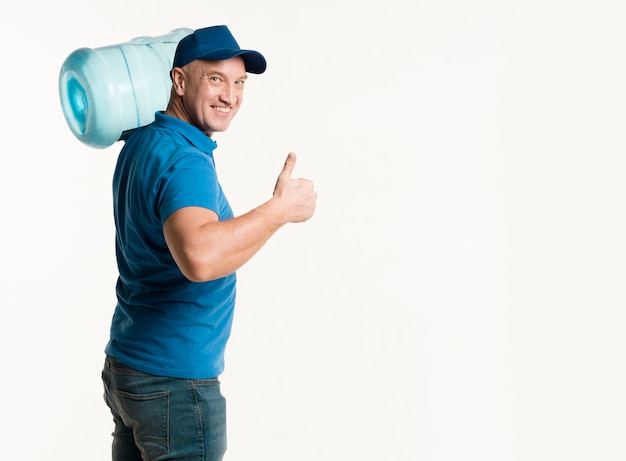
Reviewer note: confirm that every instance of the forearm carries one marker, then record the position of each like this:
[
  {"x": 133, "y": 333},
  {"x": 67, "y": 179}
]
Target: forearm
[{"x": 228, "y": 245}]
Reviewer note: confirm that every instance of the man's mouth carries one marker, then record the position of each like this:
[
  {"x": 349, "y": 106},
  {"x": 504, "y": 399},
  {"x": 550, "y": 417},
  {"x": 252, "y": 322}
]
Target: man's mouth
[{"x": 224, "y": 110}]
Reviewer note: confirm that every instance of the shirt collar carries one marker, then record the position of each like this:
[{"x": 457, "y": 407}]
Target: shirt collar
[{"x": 196, "y": 137}]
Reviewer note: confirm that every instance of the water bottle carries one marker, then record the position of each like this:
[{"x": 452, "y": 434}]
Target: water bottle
[{"x": 106, "y": 93}]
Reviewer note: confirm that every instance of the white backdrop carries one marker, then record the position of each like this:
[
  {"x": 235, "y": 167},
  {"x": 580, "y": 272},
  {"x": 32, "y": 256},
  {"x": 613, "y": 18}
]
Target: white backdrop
[{"x": 459, "y": 294}]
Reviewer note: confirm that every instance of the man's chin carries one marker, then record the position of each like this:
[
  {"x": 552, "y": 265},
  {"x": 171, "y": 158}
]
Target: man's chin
[{"x": 217, "y": 129}]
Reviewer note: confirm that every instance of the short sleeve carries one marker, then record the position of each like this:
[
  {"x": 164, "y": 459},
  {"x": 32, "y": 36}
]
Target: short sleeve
[{"x": 189, "y": 180}]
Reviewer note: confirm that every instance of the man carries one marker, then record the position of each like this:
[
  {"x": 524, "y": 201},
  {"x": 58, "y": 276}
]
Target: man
[{"x": 178, "y": 247}]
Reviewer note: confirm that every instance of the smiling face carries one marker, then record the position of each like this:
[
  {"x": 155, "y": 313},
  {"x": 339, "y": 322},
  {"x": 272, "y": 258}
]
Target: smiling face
[{"x": 208, "y": 94}]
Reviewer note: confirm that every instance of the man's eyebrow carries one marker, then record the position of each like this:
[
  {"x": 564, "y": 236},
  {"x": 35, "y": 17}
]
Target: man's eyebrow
[{"x": 206, "y": 72}]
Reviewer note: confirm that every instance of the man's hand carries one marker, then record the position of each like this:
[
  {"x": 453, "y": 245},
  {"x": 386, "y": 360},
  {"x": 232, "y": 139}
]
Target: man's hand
[{"x": 296, "y": 197}]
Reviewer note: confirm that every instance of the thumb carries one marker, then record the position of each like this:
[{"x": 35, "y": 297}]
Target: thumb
[{"x": 290, "y": 164}]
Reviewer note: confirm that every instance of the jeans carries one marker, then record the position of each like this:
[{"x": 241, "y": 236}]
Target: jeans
[{"x": 159, "y": 418}]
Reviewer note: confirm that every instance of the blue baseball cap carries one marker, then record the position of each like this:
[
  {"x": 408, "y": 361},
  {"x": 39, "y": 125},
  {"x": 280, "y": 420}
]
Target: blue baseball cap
[{"x": 216, "y": 43}]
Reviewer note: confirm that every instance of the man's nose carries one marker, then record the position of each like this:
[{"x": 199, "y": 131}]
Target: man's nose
[{"x": 229, "y": 95}]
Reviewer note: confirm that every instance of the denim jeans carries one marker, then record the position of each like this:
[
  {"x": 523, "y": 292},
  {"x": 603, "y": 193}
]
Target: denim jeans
[{"x": 158, "y": 418}]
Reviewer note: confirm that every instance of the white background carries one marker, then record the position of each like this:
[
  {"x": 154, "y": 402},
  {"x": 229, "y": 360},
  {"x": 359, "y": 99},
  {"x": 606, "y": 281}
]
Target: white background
[{"x": 459, "y": 294}]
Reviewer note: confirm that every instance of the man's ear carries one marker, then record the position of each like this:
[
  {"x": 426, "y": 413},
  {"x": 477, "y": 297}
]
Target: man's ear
[{"x": 178, "y": 80}]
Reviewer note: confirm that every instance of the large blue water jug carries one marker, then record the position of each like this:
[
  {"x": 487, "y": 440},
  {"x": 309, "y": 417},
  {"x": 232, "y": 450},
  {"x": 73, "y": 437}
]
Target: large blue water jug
[{"x": 106, "y": 93}]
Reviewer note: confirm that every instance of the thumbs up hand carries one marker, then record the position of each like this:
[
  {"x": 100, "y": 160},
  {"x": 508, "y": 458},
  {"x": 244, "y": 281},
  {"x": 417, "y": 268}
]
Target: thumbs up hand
[{"x": 296, "y": 196}]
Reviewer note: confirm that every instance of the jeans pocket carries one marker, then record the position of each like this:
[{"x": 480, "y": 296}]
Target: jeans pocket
[{"x": 148, "y": 416}]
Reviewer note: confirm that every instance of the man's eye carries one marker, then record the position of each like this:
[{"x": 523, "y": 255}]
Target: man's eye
[{"x": 214, "y": 79}]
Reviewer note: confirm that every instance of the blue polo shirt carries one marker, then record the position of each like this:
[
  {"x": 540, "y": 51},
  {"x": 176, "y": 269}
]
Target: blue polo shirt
[{"x": 163, "y": 323}]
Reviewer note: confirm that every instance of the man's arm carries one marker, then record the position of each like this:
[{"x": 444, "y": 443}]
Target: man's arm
[{"x": 205, "y": 248}]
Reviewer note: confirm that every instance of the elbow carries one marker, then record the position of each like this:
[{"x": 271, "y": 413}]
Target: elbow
[
  {"x": 200, "y": 269},
  {"x": 195, "y": 276},
  {"x": 200, "y": 276}
]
